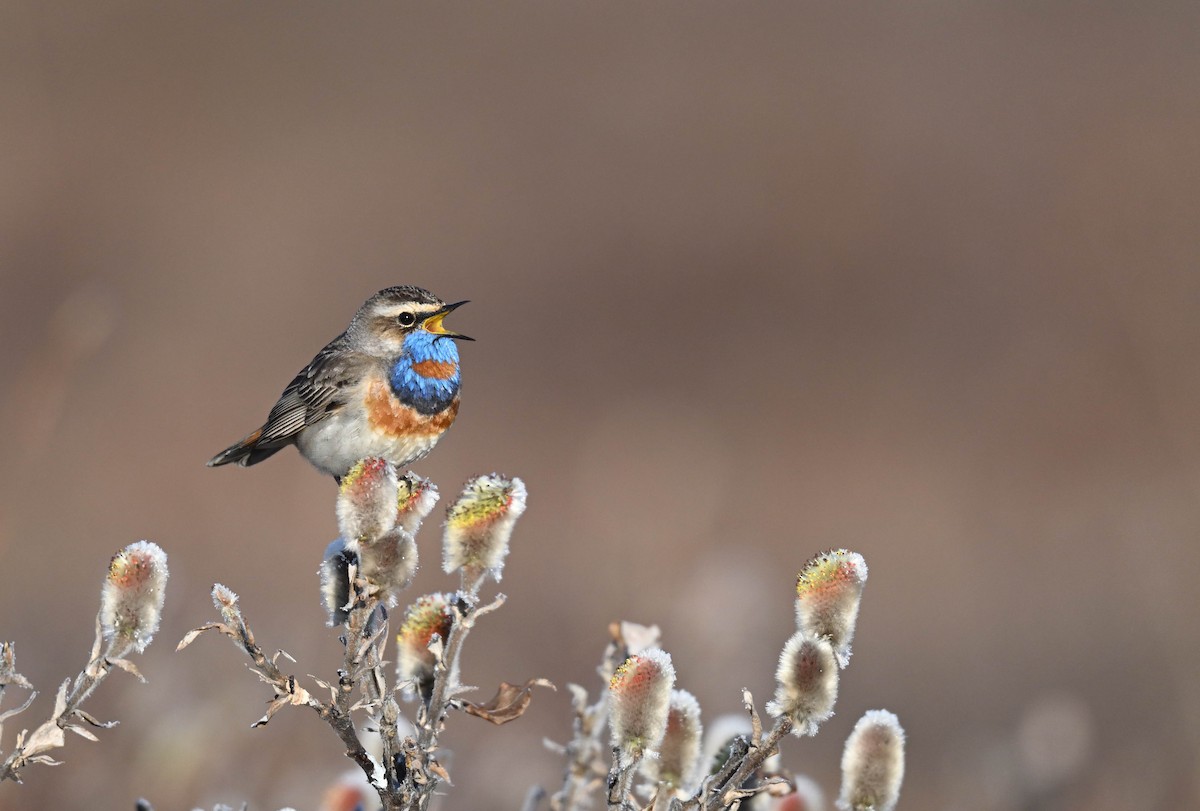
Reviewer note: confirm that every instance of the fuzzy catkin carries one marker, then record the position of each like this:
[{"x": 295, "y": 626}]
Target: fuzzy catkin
[
  {"x": 679, "y": 752},
  {"x": 367, "y": 500},
  {"x": 873, "y": 763},
  {"x": 806, "y": 683},
  {"x": 335, "y": 581},
  {"x": 416, "y": 498},
  {"x": 428, "y": 615},
  {"x": 828, "y": 591},
  {"x": 131, "y": 598},
  {"x": 479, "y": 525},
  {"x": 639, "y": 702},
  {"x": 388, "y": 563}
]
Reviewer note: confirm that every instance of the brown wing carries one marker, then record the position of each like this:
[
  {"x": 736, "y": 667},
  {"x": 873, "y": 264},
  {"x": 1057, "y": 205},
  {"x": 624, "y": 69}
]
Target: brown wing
[{"x": 319, "y": 390}]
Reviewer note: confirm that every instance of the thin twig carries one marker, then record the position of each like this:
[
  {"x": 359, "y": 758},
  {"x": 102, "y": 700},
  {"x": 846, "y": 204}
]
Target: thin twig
[
  {"x": 287, "y": 691},
  {"x": 533, "y": 798},
  {"x": 620, "y": 781},
  {"x": 423, "y": 774},
  {"x": 583, "y": 752},
  {"x": 49, "y": 735},
  {"x": 723, "y": 792}
]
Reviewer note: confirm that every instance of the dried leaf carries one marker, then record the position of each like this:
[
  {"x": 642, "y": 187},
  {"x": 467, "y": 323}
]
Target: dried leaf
[
  {"x": 778, "y": 786},
  {"x": 492, "y": 606},
  {"x": 128, "y": 667},
  {"x": 60, "y": 700},
  {"x": 272, "y": 708},
  {"x": 509, "y": 703},
  {"x": 82, "y": 732},
  {"x": 579, "y": 698},
  {"x": 296, "y": 696},
  {"x": 4, "y": 716},
  {"x": 46, "y": 737},
  {"x": 321, "y": 683},
  {"x": 8, "y": 672},
  {"x": 191, "y": 635},
  {"x": 45, "y": 760},
  {"x": 755, "y": 721},
  {"x": 632, "y": 637},
  {"x": 89, "y": 718},
  {"x": 438, "y": 770},
  {"x": 365, "y": 704}
]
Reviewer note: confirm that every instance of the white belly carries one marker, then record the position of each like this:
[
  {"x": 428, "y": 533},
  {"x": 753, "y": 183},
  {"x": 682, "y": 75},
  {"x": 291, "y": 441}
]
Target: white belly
[{"x": 335, "y": 443}]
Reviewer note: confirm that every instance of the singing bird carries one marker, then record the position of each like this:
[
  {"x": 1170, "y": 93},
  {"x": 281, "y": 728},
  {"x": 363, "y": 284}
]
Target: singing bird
[{"x": 388, "y": 386}]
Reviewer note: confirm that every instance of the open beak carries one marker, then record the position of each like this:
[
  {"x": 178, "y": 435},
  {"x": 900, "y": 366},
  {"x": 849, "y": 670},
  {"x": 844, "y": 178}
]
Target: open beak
[{"x": 433, "y": 323}]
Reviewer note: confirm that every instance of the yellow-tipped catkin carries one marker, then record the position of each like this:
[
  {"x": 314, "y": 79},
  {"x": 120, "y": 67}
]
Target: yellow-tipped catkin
[
  {"x": 828, "y": 591},
  {"x": 131, "y": 599},
  {"x": 639, "y": 701},
  {"x": 367, "y": 499},
  {"x": 388, "y": 562},
  {"x": 679, "y": 753},
  {"x": 427, "y": 616},
  {"x": 806, "y": 683},
  {"x": 479, "y": 525},
  {"x": 415, "y": 501},
  {"x": 873, "y": 763}
]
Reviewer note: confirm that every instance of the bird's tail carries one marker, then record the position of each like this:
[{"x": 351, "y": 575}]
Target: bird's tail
[{"x": 246, "y": 452}]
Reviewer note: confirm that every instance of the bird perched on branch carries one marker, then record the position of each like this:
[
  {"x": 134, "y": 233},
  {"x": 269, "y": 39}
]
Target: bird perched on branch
[{"x": 388, "y": 386}]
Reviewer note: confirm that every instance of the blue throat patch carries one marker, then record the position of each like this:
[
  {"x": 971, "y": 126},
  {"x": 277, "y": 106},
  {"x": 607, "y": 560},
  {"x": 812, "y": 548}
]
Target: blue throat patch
[{"x": 428, "y": 395}]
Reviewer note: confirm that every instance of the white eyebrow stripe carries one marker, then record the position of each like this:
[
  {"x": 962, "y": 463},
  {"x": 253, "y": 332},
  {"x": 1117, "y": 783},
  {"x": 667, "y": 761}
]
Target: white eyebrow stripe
[{"x": 396, "y": 310}]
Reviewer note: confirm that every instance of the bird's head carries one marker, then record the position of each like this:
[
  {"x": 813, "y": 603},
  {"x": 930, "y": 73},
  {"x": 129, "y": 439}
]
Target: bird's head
[{"x": 390, "y": 317}]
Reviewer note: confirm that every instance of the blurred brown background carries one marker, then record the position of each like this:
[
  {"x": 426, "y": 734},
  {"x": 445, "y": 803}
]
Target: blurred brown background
[{"x": 749, "y": 281}]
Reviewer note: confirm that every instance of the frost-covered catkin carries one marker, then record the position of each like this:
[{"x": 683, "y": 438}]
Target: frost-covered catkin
[
  {"x": 679, "y": 753},
  {"x": 479, "y": 525},
  {"x": 806, "y": 683},
  {"x": 131, "y": 599},
  {"x": 417, "y": 496},
  {"x": 427, "y": 616},
  {"x": 639, "y": 696},
  {"x": 367, "y": 499},
  {"x": 388, "y": 562},
  {"x": 225, "y": 600},
  {"x": 335, "y": 581},
  {"x": 873, "y": 763},
  {"x": 828, "y": 591}
]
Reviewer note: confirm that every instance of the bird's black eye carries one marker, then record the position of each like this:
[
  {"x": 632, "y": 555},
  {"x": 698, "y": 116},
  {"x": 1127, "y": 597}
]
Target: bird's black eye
[{"x": 406, "y": 319}]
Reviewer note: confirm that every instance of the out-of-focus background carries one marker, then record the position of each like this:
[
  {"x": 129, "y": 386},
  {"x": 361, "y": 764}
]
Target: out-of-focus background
[{"x": 749, "y": 281}]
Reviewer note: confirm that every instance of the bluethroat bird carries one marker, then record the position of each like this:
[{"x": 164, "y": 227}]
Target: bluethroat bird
[{"x": 388, "y": 386}]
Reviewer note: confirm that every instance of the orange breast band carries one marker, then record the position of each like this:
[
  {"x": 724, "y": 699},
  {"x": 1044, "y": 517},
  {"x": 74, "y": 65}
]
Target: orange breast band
[
  {"x": 437, "y": 369},
  {"x": 390, "y": 416}
]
